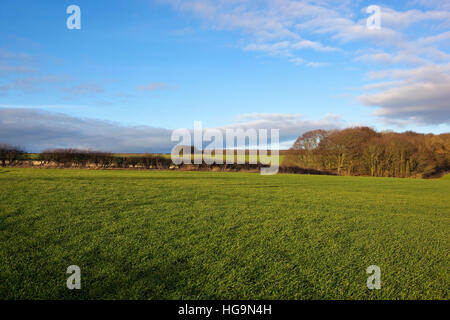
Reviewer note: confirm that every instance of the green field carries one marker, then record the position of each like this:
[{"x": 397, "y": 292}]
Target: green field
[{"x": 205, "y": 235}]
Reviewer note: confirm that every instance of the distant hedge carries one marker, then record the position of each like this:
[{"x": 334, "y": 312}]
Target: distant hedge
[
  {"x": 10, "y": 154},
  {"x": 102, "y": 159}
]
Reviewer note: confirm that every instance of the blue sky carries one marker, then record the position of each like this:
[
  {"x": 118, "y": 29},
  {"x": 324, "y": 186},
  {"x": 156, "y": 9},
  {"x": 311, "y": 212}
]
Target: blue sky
[{"x": 160, "y": 65}]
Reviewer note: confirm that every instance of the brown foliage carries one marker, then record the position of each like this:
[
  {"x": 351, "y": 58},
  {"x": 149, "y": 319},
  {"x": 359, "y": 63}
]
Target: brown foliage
[{"x": 363, "y": 151}]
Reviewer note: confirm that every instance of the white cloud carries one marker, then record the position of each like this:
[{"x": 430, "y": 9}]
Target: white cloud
[
  {"x": 15, "y": 69},
  {"x": 444, "y": 36},
  {"x": 34, "y": 83},
  {"x": 316, "y": 64},
  {"x": 419, "y": 95},
  {"x": 37, "y": 130},
  {"x": 283, "y": 27},
  {"x": 307, "y": 44},
  {"x": 154, "y": 86},
  {"x": 290, "y": 125},
  {"x": 270, "y": 25},
  {"x": 9, "y": 55},
  {"x": 438, "y": 4},
  {"x": 399, "y": 20},
  {"x": 279, "y": 48},
  {"x": 83, "y": 89},
  {"x": 390, "y": 58},
  {"x": 430, "y": 72}
]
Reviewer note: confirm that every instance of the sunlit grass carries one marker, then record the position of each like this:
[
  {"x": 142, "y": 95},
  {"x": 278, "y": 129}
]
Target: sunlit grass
[{"x": 204, "y": 235}]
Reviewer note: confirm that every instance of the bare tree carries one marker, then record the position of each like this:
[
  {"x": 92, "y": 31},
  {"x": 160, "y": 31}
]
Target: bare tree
[{"x": 10, "y": 154}]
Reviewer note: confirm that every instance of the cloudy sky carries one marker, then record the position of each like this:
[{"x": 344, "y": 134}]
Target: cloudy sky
[{"x": 136, "y": 70}]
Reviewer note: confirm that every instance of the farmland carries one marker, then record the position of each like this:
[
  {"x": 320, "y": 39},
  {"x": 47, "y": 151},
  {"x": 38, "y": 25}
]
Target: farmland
[
  {"x": 210, "y": 235},
  {"x": 237, "y": 158}
]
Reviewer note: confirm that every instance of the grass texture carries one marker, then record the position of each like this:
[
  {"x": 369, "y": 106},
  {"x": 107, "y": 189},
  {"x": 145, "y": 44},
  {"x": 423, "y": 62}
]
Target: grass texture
[{"x": 205, "y": 235}]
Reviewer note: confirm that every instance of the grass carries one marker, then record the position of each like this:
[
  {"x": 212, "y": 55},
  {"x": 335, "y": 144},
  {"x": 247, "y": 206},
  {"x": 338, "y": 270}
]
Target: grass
[
  {"x": 204, "y": 235},
  {"x": 446, "y": 177},
  {"x": 30, "y": 156}
]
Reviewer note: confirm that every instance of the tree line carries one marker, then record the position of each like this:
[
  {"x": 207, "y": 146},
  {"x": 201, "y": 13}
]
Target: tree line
[
  {"x": 364, "y": 151},
  {"x": 351, "y": 151},
  {"x": 10, "y": 154},
  {"x": 101, "y": 159}
]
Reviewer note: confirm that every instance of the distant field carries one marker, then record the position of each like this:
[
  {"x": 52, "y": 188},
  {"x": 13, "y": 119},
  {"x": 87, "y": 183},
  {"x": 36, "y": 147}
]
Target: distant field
[
  {"x": 247, "y": 158},
  {"x": 205, "y": 235},
  {"x": 35, "y": 156}
]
